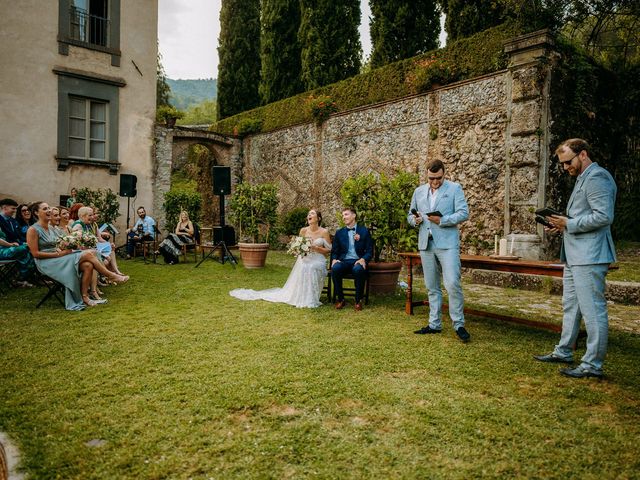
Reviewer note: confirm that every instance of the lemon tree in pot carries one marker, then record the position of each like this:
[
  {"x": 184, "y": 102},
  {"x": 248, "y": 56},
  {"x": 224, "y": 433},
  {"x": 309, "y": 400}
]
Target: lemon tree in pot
[
  {"x": 381, "y": 204},
  {"x": 253, "y": 211}
]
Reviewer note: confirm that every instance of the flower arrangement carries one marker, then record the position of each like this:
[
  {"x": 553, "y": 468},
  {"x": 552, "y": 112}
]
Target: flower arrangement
[
  {"x": 299, "y": 246},
  {"x": 322, "y": 107},
  {"x": 77, "y": 240}
]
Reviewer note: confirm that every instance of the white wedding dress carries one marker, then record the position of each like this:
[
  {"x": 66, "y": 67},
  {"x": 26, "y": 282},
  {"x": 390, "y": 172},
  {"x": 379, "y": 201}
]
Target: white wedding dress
[{"x": 303, "y": 287}]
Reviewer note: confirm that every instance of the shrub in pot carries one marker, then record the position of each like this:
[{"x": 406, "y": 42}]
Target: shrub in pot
[
  {"x": 253, "y": 211},
  {"x": 381, "y": 204}
]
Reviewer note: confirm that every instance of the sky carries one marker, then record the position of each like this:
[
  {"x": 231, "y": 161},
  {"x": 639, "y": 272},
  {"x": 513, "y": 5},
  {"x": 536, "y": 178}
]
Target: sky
[{"x": 188, "y": 33}]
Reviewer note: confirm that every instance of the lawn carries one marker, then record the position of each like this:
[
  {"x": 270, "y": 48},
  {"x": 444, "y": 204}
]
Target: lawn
[{"x": 173, "y": 378}]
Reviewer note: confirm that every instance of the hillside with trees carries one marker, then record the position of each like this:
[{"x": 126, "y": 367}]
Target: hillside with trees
[{"x": 188, "y": 93}]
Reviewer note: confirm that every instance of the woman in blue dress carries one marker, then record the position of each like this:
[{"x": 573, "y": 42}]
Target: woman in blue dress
[{"x": 65, "y": 266}]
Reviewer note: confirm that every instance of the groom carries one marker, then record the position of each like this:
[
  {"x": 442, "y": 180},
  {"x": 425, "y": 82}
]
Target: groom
[{"x": 352, "y": 249}]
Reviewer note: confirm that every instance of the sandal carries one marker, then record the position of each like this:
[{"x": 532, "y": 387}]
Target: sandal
[
  {"x": 96, "y": 298},
  {"x": 88, "y": 302},
  {"x": 119, "y": 278}
]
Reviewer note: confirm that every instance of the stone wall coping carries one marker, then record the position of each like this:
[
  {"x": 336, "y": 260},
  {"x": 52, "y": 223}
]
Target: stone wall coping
[
  {"x": 371, "y": 106},
  {"x": 529, "y": 41}
]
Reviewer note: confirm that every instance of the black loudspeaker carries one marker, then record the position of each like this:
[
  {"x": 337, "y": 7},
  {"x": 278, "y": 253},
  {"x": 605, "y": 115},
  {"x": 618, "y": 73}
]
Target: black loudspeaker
[
  {"x": 221, "y": 180},
  {"x": 128, "y": 185},
  {"x": 226, "y": 233}
]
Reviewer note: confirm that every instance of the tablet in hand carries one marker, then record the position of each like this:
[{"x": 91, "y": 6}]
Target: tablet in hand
[{"x": 434, "y": 214}]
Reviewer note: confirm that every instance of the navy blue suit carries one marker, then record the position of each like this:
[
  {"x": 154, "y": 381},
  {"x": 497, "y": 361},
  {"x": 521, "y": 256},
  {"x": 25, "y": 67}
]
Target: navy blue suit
[
  {"x": 11, "y": 229},
  {"x": 340, "y": 247}
]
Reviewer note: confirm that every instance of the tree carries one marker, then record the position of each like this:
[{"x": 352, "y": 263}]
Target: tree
[
  {"x": 466, "y": 17},
  {"x": 402, "y": 29},
  {"x": 280, "y": 50},
  {"x": 163, "y": 91},
  {"x": 239, "y": 56},
  {"x": 203, "y": 113},
  {"x": 330, "y": 41}
]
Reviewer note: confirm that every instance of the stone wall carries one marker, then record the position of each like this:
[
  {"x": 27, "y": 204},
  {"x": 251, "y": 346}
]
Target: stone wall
[{"x": 490, "y": 132}]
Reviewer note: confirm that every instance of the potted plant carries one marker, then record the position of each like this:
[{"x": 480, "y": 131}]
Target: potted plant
[
  {"x": 253, "y": 210},
  {"x": 381, "y": 204},
  {"x": 168, "y": 115}
]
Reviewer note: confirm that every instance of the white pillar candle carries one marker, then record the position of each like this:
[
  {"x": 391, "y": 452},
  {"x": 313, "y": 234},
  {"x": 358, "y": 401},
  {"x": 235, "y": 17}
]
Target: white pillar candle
[
  {"x": 495, "y": 244},
  {"x": 503, "y": 247}
]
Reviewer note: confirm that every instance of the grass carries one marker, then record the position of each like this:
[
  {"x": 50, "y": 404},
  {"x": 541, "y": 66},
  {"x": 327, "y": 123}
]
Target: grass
[
  {"x": 176, "y": 379},
  {"x": 628, "y": 263}
]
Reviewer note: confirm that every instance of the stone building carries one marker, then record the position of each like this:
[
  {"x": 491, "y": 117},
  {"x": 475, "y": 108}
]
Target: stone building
[{"x": 78, "y": 91}]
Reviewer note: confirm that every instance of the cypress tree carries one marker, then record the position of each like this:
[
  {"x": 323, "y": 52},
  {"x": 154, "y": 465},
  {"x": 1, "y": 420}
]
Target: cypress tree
[
  {"x": 466, "y": 17},
  {"x": 330, "y": 41},
  {"x": 280, "y": 50},
  {"x": 402, "y": 29},
  {"x": 163, "y": 90},
  {"x": 239, "y": 57}
]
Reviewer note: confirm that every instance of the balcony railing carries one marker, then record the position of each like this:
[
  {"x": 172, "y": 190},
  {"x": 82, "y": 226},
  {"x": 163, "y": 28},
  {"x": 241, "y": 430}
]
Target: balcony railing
[{"x": 88, "y": 28}]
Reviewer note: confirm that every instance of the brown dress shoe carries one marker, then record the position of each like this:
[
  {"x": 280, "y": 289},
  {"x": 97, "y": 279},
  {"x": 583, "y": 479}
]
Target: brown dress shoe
[
  {"x": 340, "y": 304},
  {"x": 358, "y": 306}
]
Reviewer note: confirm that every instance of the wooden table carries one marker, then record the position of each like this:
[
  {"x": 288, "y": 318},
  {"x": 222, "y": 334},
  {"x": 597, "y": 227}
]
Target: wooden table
[{"x": 531, "y": 267}]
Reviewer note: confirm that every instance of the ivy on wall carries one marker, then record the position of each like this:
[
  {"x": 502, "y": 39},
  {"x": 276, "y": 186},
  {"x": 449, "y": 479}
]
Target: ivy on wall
[
  {"x": 591, "y": 102},
  {"x": 465, "y": 58}
]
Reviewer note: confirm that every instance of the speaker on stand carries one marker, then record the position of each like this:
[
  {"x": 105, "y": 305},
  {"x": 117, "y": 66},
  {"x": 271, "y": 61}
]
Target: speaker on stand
[
  {"x": 128, "y": 189},
  {"x": 223, "y": 235}
]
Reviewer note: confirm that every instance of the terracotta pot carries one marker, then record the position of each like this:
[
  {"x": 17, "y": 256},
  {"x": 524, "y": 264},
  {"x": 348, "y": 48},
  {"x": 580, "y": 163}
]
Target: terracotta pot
[
  {"x": 253, "y": 255},
  {"x": 383, "y": 276}
]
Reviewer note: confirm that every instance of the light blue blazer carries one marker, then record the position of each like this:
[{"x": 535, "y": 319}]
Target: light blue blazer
[
  {"x": 453, "y": 206},
  {"x": 587, "y": 237}
]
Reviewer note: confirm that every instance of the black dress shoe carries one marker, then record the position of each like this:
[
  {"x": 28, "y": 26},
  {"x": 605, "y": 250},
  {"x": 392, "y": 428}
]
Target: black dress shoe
[
  {"x": 463, "y": 334},
  {"x": 427, "y": 329},
  {"x": 579, "y": 372},
  {"x": 552, "y": 358}
]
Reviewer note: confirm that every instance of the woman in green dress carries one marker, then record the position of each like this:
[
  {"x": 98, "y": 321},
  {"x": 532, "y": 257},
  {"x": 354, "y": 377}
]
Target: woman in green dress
[{"x": 72, "y": 268}]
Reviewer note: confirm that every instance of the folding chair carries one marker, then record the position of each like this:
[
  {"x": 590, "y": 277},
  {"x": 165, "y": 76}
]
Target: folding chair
[
  {"x": 329, "y": 290},
  {"x": 148, "y": 246},
  {"x": 195, "y": 246},
  {"x": 8, "y": 270},
  {"x": 54, "y": 289}
]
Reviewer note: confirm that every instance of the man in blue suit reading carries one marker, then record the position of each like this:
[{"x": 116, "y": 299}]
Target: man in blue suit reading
[
  {"x": 351, "y": 250},
  {"x": 437, "y": 208},
  {"x": 587, "y": 250}
]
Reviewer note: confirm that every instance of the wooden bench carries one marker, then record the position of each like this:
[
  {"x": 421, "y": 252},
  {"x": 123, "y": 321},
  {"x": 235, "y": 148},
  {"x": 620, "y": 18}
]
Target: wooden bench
[{"x": 531, "y": 267}]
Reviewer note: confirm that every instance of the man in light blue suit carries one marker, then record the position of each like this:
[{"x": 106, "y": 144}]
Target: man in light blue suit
[
  {"x": 437, "y": 208},
  {"x": 587, "y": 250}
]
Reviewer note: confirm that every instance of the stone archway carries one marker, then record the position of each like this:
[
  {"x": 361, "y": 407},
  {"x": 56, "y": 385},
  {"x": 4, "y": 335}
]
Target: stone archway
[{"x": 172, "y": 146}]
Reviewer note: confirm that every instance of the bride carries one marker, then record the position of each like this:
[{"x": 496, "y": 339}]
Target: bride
[{"x": 306, "y": 280}]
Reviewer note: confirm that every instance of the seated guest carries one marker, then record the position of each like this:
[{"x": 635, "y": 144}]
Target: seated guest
[
  {"x": 64, "y": 220},
  {"x": 73, "y": 211},
  {"x": 54, "y": 222},
  {"x": 105, "y": 247},
  {"x": 72, "y": 198},
  {"x": 171, "y": 247},
  {"x": 8, "y": 224},
  {"x": 143, "y": 230},
  {"x": 65, "y": 266},
  {"x": 20, "y": 253},
  {"x": 24, "y": 219},
  {"x": 85, "y": 224}
]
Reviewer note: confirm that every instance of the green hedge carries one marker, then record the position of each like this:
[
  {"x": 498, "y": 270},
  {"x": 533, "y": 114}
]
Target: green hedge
[{"x": 465, "y": 58}]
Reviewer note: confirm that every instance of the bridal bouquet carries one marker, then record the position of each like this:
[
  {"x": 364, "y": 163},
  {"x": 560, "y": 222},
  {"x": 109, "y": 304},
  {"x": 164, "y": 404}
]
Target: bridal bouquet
[
  {"x": 76, "y": 240},
  {"x": 299, "y": 246}
]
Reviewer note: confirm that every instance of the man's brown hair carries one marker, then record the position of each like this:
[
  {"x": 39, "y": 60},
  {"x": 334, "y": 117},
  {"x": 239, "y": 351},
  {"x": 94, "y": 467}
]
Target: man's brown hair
[
  {"x": 351, "y": 209},
  {"x": 435, "y": 166},
  {"x": 576, "y": 145}
]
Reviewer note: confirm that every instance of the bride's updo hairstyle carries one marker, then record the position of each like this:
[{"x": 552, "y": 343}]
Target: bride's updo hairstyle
[{"x": 318, "y": 214}]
